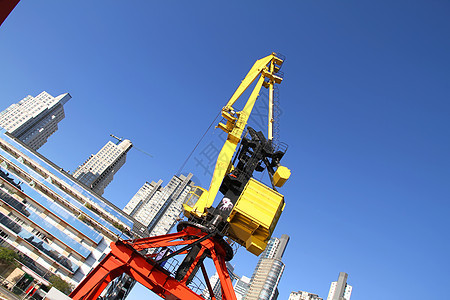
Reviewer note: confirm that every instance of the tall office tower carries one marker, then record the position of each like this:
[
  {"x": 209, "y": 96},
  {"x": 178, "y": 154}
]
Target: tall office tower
[
  {"x": 145, "y": 193},
  {"x": 34, "y": 119},
  {"x": 241, "y": 287},
  {"x": 98, "y": 171},
  {"x": 301, "y": 295},
  {"x": 157, "y": 207},
  {"x": 268, "y": 271},
  {"x": 55, "y": 224},
  {"x": 340, "y": 290},
  {"x": 215, "y": 283},
  {"x": 141, "y": 197}
]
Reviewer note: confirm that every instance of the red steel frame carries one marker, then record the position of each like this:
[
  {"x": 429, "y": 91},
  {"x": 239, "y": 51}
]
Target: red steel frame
[
  {"x": 125, "y": 258},
  {"x": 6, "y": 7}
]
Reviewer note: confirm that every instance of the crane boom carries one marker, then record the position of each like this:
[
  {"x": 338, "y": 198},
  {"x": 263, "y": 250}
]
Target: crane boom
[{"x": 266, "y": 68}]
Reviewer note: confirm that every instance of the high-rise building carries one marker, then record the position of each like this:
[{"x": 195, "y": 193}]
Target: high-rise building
[
  {"x": 340, "y": 290},
  {"x": 157, "y": 207},
  {"x": 215, "y": 283},
  {"x": 170, "y": 212},
  {"x": 302, "y": 295},
  {"x": 56, "y": 225},
  {"x": 139, "y": 206},
  {"x": 268, "y": 271},
  {"x": 141, "y": 197},
  {"x": 34, "y": 119},
  {"x": 98, "y": 171},
  {"x": 241, "y": 287}
]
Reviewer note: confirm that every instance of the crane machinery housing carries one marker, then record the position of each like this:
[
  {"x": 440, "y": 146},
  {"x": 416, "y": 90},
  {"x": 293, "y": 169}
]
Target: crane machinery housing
[{"x": 246, "y": 214}]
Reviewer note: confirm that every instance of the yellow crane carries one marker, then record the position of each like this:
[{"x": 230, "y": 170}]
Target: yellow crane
[
  {"x": 253, "y": 209},
  {"x": 247, "y": 213}
]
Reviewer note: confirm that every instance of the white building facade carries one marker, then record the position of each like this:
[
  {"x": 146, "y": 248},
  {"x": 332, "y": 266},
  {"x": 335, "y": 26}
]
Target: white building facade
[
  {"x": 57, "y": 226},
  {"x": 302, "y": 295},
  {"x": 241, "y": 287},
  {"x": 98, "y": 171},
  {"x": 34, "y": 119},
  {"x": 141, "y": 197},
  {"x": 340, "y": 290},
  {"x": 159, "y": 208}
]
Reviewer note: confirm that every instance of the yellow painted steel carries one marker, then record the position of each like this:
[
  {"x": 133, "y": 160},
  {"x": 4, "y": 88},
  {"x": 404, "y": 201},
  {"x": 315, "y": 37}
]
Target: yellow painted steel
[
  {"x": 192, "y": 199},
  {"x": 255, "y": 216},
  {"x": 235, "y": 124},
  {"x": 281, "y": 176}
]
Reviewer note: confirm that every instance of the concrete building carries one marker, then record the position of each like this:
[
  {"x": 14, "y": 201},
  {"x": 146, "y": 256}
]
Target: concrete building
[
  {"x": 158, "y": 208},
  {"x": 268, "y": 271},
  {"x": 302, "y": 295},
  {"x": 241, "y": 287},
  {"x": 34, "y": 119},
  {"x": 141, "y": 197},
  {"x": 98, "y": 171},
  {"x": 340, "y": 290},
  {"x": 146, "y": 202},
  {"x": 56, "y": 225}
]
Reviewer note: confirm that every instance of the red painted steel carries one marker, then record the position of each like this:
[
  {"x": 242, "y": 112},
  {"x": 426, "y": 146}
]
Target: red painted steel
[
  {"x": 6, "y": 7},
  {"x": 125, "y": 258}
]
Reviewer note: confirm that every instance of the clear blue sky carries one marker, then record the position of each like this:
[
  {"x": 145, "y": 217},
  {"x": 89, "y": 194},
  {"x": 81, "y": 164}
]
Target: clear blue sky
[{"x": 366, "y": 114}]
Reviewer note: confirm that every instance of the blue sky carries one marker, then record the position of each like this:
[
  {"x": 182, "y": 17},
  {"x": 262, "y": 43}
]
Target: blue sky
[{"x": 365, "y": 111}]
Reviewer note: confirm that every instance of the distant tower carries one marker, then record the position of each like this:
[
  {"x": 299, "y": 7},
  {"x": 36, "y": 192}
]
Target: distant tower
[
  {"x": 301, "y": 295},
  {"x": 98, "y": 171},
  {"x": 340, "y": 290},
  {"x": 215, "y": 283},
  {"x": 144, "y": 204},
  {"x": 241, "y": 287},
  {"x": 157, "y": 207},
  {"x": 34, "y": 119},
  {"x": 141, "y": 197},
  {"x": 268, "y": 271}
]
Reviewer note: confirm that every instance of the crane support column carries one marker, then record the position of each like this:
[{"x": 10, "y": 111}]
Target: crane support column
[{"x": 125, "y": 258}]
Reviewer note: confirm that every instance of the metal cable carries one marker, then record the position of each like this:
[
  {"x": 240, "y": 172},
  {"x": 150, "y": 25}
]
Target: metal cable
[{"x": 192, "y": 152}]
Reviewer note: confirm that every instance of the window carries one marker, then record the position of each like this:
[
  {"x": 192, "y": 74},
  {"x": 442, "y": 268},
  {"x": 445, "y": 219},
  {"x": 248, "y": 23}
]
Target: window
[
  {"x": 102, "y": 257},
  {"x": 3, "y": 235}
]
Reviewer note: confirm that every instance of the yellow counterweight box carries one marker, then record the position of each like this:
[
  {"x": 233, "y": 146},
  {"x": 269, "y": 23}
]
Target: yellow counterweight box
[{"x": 255, "y": 216}]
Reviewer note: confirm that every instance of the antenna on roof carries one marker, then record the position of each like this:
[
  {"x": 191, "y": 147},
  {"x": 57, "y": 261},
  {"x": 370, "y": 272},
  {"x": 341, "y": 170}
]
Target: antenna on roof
[
  {"x": 117, "y": 138},
  {"x": 121, "y": 139}
]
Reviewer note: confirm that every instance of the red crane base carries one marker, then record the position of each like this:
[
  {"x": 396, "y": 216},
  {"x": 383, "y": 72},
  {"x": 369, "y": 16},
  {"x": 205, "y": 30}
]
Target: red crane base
[{"x": 125, "y": 258}]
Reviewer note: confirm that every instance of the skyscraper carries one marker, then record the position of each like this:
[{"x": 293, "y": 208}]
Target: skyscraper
[
  {"x": 241, "y": 287},
  {"x": 268, "y": 271},
  {"x": 34, "y": 119},
  {"x": 98, "y": 171},
  {"x": 302, "y": 295},
  {"x": 141, "y": 197},
  {"x": 138, "y": 206},
  {"x": 340, "y": 290},
  {"x": 157, "y": 207}
]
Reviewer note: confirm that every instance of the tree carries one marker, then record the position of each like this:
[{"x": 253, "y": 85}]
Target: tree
[
  {"x": 8, "y": 257},
  {"x": 60, "y": 284}
]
